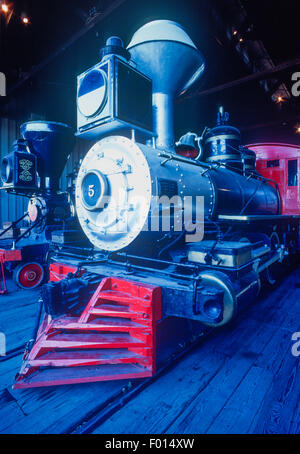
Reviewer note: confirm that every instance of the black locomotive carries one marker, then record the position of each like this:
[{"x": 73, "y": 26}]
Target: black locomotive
[{"x": 187, "y": 229}]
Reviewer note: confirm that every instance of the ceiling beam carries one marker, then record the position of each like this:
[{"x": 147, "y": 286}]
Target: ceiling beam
[
  {"x": 89, "y": 25},
  {"x": 244, "y": 80}
]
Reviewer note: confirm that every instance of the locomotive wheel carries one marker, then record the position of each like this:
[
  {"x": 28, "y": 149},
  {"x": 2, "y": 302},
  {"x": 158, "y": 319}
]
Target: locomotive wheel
[
  {"x": 29, "y": 275},
  {"x": 273, "y": 272}
]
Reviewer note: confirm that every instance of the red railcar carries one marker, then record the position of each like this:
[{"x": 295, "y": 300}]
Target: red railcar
[{"x": 280, "y": 162}]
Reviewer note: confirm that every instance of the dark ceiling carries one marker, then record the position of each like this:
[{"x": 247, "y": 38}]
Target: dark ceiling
[{"x": 42, "y": 59}]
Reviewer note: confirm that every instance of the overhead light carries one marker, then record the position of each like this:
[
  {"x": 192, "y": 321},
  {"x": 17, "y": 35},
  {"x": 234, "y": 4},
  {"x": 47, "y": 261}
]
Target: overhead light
[
  {"x": 279, "y": 99},
  {"x": 241, "y": 40},
  {"x": 297, "y": 128},
  {"x": 4, "y": 8},
  {"x": 235, "y": 32},
  {"x": 25, "y": 20}
]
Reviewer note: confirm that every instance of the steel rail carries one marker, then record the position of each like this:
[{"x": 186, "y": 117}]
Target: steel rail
[{"x": 128, "y": 392}]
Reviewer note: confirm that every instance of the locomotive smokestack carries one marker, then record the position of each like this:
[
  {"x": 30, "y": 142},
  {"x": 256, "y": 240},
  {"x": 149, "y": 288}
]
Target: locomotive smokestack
[{"x": 164, "y": 52}]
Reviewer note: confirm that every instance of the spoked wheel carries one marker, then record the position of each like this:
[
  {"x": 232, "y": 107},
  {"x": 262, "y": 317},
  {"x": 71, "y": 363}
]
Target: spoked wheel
[{"x": 29, "y": 275}]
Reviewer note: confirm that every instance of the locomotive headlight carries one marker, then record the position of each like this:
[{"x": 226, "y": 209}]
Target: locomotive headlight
[
  {"x": 91, "y": 94},
  {"x": 94, "y": 190},
  {"x": 6, "y": 171}
]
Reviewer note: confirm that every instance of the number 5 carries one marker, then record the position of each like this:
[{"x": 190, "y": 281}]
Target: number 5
[{"x": 91, "y": 190}]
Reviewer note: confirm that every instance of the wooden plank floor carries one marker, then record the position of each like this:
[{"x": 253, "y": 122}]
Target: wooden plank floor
[
  {"x": 243, "y": 379},
  {"x": 53, "y": 409},
  {"x": 18, "y": 309}
]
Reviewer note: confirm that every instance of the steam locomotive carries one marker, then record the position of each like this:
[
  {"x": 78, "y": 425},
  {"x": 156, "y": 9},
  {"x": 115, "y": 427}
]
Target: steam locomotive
[
  {"x": 30, "y": 170},
  {"x": 186, "y": 229}
]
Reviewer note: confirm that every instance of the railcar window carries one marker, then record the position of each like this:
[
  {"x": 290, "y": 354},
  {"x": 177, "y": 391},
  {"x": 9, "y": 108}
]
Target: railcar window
[
  {"x": 292, "y": 173},
  {"x": 274, "y": 163}
]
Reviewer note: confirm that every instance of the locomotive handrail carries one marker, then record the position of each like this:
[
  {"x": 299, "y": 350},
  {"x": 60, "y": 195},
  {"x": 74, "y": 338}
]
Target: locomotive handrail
[{"x": 170, "y": 157}]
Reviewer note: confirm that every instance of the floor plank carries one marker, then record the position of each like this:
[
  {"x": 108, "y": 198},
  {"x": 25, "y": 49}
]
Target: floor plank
[
  {"x": 253, "y": 385},
  {"x": 242, "y": 379}
]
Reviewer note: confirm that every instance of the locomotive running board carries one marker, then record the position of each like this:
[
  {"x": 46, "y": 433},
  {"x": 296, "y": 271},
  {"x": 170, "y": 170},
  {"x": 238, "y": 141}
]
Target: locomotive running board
[{"x": 113, "y": 339}]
